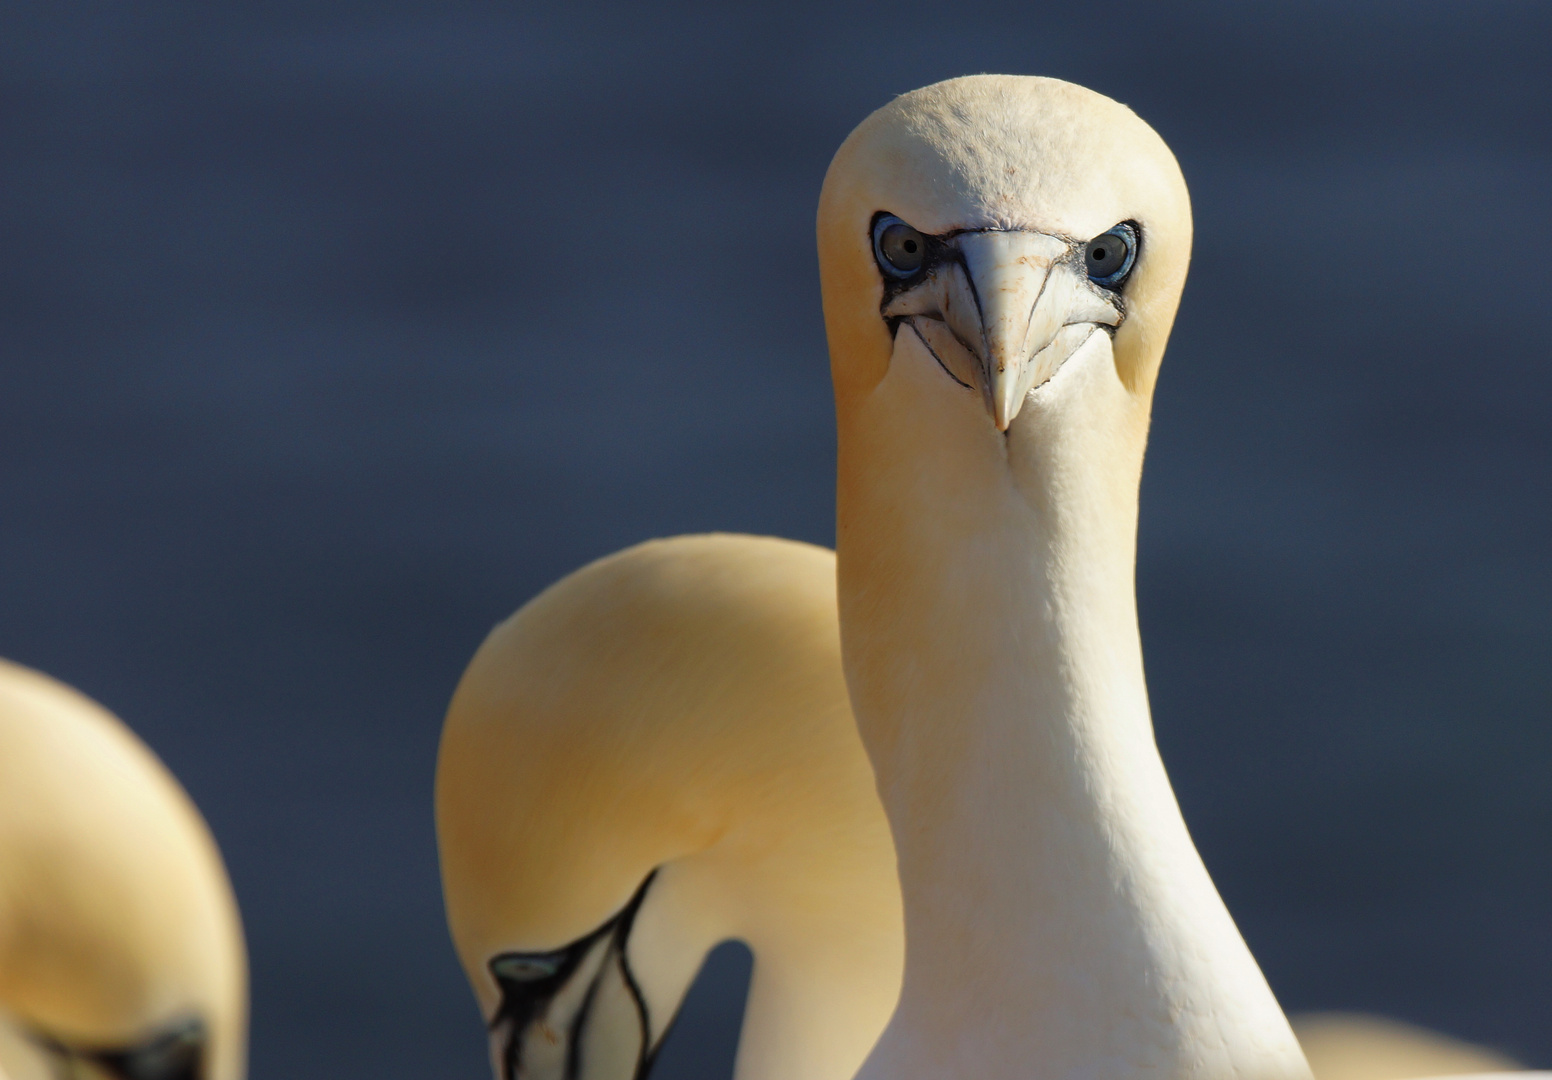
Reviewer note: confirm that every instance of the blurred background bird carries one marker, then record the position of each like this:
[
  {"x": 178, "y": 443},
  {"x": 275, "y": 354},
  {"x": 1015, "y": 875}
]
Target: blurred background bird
[
  {"x": 335, "y": 331},
  {"x": 121, "y": 953}
]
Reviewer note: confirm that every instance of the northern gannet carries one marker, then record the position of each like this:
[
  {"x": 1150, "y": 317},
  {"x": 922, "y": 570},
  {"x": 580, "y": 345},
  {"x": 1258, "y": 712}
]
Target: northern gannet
[
  {"x": 654, "y": 755},
  {"x": 121, "y": 955},
  {"x": 625, "y": 775},
  {"x": 591, "y": 674},
  {"x": 993, "y": 382}
]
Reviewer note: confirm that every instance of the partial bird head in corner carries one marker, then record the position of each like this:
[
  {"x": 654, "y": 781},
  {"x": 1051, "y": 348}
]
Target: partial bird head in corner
[
  {"x": 1004, "y": 226},
  {"x": 121, "y": 955}
]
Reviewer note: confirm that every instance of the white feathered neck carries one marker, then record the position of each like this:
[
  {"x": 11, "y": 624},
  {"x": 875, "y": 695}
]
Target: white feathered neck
[{"x": 1059, "y": 922}]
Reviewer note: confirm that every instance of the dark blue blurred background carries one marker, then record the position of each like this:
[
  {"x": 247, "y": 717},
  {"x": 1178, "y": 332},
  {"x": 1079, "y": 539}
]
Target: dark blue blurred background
[{"x": 332, "y": 331}]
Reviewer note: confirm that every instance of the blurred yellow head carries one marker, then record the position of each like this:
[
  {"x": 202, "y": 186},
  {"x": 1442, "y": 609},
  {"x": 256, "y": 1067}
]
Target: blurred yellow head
[{"x": 121, "y": 952}]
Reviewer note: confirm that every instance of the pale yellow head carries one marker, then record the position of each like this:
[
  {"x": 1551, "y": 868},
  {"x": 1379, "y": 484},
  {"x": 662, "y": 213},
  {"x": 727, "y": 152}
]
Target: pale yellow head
[
  {"x": 1002, "y": 372},
  {"x": 120, "y": 947},
  {"x": 652, "y": 756},
  {"x": 1008, "y": 177}
]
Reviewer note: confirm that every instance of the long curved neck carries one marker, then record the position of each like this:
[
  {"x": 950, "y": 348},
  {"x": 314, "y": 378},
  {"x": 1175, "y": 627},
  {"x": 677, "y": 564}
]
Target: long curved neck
[{"x": 1059, "y": 922}]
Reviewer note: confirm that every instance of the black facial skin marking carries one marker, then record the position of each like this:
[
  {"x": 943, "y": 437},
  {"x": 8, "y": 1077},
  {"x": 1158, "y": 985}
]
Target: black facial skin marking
[
  {"x": 530, "y": 982},
  {"x": 940, "y": 250},
  {"x": 946, "y": 369},
  {"x": 174, "y": 1053}
]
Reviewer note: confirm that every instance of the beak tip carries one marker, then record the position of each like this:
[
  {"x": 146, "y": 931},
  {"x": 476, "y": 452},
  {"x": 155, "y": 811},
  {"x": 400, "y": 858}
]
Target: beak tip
[{"x": 1005, "y": 408}]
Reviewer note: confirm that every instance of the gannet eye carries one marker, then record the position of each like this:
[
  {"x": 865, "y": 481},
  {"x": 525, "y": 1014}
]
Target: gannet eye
[
  {"x": 526, "y": 967},
  {"x": 899, "y": 249},
  {"x": 1109, "y": 256},
  {"x": 175, "y": 1055}
]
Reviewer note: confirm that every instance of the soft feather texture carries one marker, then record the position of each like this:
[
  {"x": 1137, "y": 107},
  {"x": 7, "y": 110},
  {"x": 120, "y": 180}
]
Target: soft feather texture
[
  {"x": 116, "y": 915},
  {"x": 1058, "y": 918},
  {"x": 678, "y": 671},
  {"x": 680, "y": 706}
]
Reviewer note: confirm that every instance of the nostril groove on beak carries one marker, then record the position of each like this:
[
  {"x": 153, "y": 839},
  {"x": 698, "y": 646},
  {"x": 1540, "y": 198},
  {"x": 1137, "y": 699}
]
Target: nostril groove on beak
[{"x": 1029, "y": 318}]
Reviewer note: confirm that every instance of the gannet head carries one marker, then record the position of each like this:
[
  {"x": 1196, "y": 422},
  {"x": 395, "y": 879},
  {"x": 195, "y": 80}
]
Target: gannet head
[
  {"x": 653, "y": 756},
  {"x": 1006, "y": 224},
  {"x": 121, "y": 955}
]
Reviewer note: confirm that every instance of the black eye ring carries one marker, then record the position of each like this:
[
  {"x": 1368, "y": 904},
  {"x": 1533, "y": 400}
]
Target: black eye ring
[
  {"x": 899, "y": 250},
  {"x": 1110, "y": 255}
]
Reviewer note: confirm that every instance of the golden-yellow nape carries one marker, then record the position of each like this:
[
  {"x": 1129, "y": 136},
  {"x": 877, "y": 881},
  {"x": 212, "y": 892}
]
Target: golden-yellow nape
[
  {"x": 121, "y": 953},
  {"x": 653, "y": 756}
]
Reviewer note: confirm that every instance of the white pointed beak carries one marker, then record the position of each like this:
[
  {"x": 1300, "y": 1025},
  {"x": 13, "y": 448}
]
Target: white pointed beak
[{"x": 1018, "y": 302}]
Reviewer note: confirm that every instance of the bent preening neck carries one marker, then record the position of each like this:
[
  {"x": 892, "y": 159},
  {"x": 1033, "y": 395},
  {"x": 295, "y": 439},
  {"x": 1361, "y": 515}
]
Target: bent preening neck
[{"x": 1058, "y": 919}]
